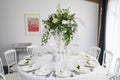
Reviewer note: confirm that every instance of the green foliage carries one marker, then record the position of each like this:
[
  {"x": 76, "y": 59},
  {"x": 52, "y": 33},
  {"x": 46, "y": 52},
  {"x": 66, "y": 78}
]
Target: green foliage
[
  {"x": 61, "y": 22},
  {"x": 78, "y": 67}
]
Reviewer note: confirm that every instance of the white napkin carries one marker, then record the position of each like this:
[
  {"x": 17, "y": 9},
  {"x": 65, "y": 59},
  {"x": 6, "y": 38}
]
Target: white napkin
[
  {"x": 23, "y": 62},
  {"x": 28, "y": 57},
  {"x": 28, "y": 68},
  {"x": 42, "y": 72},
  {"x": 91, "y": 63},
  {"x": 82, "y": 70},
  {"x": 63, "y": 73}
]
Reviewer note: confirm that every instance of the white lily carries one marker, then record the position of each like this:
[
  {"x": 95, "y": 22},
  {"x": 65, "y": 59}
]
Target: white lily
[
  {"x": 72, "y": 22},
  {"x": 64, "y": 22},
  {"x": 55, "y": 20},
  {"x": 51, "y": 30}
]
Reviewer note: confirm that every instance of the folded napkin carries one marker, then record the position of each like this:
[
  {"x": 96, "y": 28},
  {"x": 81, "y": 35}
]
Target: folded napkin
[
  {"x": 42, "y": 72},
  {"x": 28, "y": 68},
  {"x": 91, "y": 63},
  {"x": 28, "y": 57},
  {"x": 24, "y": 62},
  {"x": 63, "y": 73},
  {"x": 82, "y": 69}
]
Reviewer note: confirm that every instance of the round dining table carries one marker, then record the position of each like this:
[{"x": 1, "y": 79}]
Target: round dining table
[{"x": 49, "y": 66}]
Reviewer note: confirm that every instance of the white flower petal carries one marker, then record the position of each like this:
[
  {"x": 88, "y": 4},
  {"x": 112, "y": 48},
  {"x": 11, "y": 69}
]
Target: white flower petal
[
  {"x": 64, "y": 22},
  {"x": 72, "y": 22},
  {"x": 55, "y": 20}
]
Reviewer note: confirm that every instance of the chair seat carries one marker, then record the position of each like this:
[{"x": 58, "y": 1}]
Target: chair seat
[
  {"x": 12, "y": 76},
  {"x": 115, "y": 76},
  {"x": 2, "y": 77}
]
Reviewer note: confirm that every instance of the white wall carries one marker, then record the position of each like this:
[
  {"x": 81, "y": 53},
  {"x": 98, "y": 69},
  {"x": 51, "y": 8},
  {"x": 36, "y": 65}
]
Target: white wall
[{"x": 12, "y": 25}]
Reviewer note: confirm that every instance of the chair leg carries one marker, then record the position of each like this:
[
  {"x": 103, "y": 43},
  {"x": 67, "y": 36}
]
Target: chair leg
[{"x": 8, "y": 69}]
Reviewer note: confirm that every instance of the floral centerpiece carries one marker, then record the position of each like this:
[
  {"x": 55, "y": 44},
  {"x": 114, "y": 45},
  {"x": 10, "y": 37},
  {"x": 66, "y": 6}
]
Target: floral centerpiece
[{"x": 61, "y": 23}]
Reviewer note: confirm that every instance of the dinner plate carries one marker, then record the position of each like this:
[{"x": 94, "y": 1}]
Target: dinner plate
[
  {"x": 28, "y": 68},
  {"x": 87, "y": 57},
  {"x": 42, "y": 72},
  {"x": 28, "y": 57},
  {"x": 82, "y": 70},
  {"x": 23, "y": 62},
  {"x": 63, "y": 73},
  {"x": 91, "y": 63}
]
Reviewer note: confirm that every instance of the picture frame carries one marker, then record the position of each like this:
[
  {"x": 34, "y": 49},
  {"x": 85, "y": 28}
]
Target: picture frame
[{"x": 32, "y": 24}]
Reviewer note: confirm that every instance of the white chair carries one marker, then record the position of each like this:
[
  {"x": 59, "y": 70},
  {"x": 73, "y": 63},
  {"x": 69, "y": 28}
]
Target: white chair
[
  {"x": 32, "y": 49},
  {"x": 12, "y": 76},
  {"x": 117, "y": 66},
  {"x": 11, "y": 59},
  {"x": 115, "y": 77},
  {"x": 1, "y": 67},
  {"x": 2, "y": 77},
  {"x": 95, "y": 51},
  {"x": 107, "y": 58}
]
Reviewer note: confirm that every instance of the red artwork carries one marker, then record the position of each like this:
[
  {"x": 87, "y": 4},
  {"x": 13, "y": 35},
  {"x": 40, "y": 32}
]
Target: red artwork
[{"x": 33, "y": 24}]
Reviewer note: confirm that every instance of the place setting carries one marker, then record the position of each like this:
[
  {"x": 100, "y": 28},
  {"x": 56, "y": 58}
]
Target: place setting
[
  {"x": 29, "y": 68},
  {"x": 80, "y": 69},
  {"x": 24, "y": 62},
  {"x": 42, "y": 72},
  {"x": 63, "y": 73},
  {"x": 28, "y": 57},
  {"x": 91, "y": 63}
]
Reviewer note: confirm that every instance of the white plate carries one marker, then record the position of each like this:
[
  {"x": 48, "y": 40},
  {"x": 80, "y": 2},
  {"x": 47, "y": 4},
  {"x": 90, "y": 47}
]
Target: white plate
[
  {"x": 42, "y": 72},
  {"x": 27, "y": 57},
  {"x": 87, "y": 57},
  {"x": 23, "y": 62},
  {"x": 28, "y": 68},
  {"x": 82, "y": 70},
  {"x": 91, "y": 63},
  {"x": 63, "y": 73}
]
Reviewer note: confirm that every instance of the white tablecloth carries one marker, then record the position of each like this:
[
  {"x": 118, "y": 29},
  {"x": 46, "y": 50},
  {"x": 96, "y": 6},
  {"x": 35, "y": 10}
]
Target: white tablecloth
[{"x": 99, "y": 73}]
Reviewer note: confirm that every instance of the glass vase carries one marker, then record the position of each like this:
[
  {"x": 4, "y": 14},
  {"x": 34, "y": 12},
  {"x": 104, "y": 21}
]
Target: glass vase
[{"x": 59, "y": 47}]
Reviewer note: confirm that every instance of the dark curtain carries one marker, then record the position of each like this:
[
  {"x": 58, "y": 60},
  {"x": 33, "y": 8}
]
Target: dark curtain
[{"x": 102, "y": 32}]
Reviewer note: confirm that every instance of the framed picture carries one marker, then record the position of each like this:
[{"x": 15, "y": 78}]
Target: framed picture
[{"x": 32, "y": 24}]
